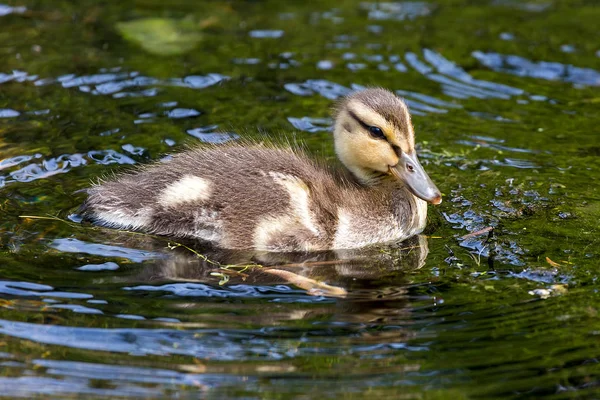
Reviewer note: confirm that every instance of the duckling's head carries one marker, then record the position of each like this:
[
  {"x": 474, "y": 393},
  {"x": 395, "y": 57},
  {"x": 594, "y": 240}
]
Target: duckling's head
[{"x": 375, "y": 139}]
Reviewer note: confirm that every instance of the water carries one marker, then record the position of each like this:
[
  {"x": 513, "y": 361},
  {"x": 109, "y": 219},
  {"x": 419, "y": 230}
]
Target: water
[{"x": 499, "y": 300}]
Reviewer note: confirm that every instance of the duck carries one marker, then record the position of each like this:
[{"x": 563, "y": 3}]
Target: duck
[{"x": 266, "y": 197}]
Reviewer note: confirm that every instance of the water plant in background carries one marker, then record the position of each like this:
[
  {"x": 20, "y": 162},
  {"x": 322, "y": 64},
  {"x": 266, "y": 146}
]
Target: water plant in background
[{"x": 163, "y": 36}]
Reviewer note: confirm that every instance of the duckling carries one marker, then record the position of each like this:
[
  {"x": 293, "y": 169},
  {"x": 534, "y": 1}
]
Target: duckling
[{"x": 269, "y": 198}]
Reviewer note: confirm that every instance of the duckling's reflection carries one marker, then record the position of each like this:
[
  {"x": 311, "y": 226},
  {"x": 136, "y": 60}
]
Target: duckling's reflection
[
  {"x": 331, "y": 273},
  {"x": 370, "y": 284}
]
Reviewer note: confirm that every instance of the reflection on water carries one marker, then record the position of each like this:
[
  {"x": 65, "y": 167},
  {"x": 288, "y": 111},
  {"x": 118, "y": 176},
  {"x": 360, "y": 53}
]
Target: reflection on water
[
  {"x": 69, "y": 245},
  {"x": 70, "y": 378},
  {"x": 56, "y": 165},
  {"x": 322, "y": 274},
  {"x": 455, "y": 82},
  {"x": 33, "y": 289},
  {"x": 397, "y": 11},
  {"x": 115, "y": 83},
  {"x": 552, "y": 71}
]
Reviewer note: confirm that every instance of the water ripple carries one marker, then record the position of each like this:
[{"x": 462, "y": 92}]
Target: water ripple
[
  {"x": 114, "y": 83},
  {"x": 266, "y": 34},
  {"x": 210, "y": 134},
  {"x": 117, "y": 373},
  {"x": 80, "y": 378},
  {"x": 515, "y": 162},
  {"x": 207, "y": 344},
  {"x": 57, "y": 165},
  {"x": 308, "y": 124},
  {"x": 5, "y": 10},
  {"x": 33, "y": 386},
  {"x": 29, "y": 289},
  {"x": 278, "y": 293},
  {"x": 71, "y": 245},
  {"x": 17, "y": 76},
  {"x": 325, "y": 88},
  {"x": 448, "y": 68},
  {"x": 525, "y": 6},
  {"x": 107, "y": 266},
  {"x": 397, "y": 11},
  {"x": 455, "y": 82},
  {"x": 552, "y": 71},
  {"x": 8, "y": 113},
  {"x": 77, "y": 308},
  {"x": 493, "y": 143}
]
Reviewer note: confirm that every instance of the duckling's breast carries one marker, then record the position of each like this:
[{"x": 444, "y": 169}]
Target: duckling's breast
[{"x": 382, "y": 218}]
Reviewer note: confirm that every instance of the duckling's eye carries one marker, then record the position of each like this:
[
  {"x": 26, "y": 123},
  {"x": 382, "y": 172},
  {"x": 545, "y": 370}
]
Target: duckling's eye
[{"x": 376, "y": 132}]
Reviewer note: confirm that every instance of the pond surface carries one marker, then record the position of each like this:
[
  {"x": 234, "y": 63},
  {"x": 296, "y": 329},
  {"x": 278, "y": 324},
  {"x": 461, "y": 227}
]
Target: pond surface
[{"x": 499, "y": 299}]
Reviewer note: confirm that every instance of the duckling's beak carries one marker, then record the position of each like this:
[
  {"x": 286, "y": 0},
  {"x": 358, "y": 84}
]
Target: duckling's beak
[{"x": 410, "y": 171}]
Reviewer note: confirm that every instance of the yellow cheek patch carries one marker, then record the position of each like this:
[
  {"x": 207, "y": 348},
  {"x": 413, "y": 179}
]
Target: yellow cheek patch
[{"x": 376, "y": 155}]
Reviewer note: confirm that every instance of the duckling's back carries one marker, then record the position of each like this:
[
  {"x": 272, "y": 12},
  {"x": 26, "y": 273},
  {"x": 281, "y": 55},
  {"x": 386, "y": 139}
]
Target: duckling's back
[{"x": 234, "y": 196}]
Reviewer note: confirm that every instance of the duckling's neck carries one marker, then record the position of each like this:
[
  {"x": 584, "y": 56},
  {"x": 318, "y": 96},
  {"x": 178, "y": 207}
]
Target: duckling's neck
[
  {"x": 411, "y": 207},
  {"x": 369, "y": 178},
  {"x": 403, "y": 203},
  {"x": 380, "y": 213}
]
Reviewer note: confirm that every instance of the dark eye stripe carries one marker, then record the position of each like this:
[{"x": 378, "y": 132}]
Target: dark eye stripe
[{"x": 375, "y": 131}]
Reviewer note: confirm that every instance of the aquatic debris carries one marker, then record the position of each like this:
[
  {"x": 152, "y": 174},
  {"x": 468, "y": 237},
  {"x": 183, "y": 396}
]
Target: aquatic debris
[
  {"x": 552, "y": 263},
  {"x": 477, "y": 233},
  {"x": 161, "y": 36},
  {"x": 236, "y": 268},
  {"x": 224, "y": 277},
  {"x": 312, "y": 287},
  {"x": 554, "y": 290},
  {"x": 50, "y": 218}
]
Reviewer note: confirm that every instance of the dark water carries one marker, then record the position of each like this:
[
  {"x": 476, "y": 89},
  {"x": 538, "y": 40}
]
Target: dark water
[{"x": 505, "y": 101}]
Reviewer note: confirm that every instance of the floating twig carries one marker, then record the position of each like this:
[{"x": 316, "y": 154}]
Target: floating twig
[
  {"x": 477, "y": 233},
  {"x": 552, "y": 263}
]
